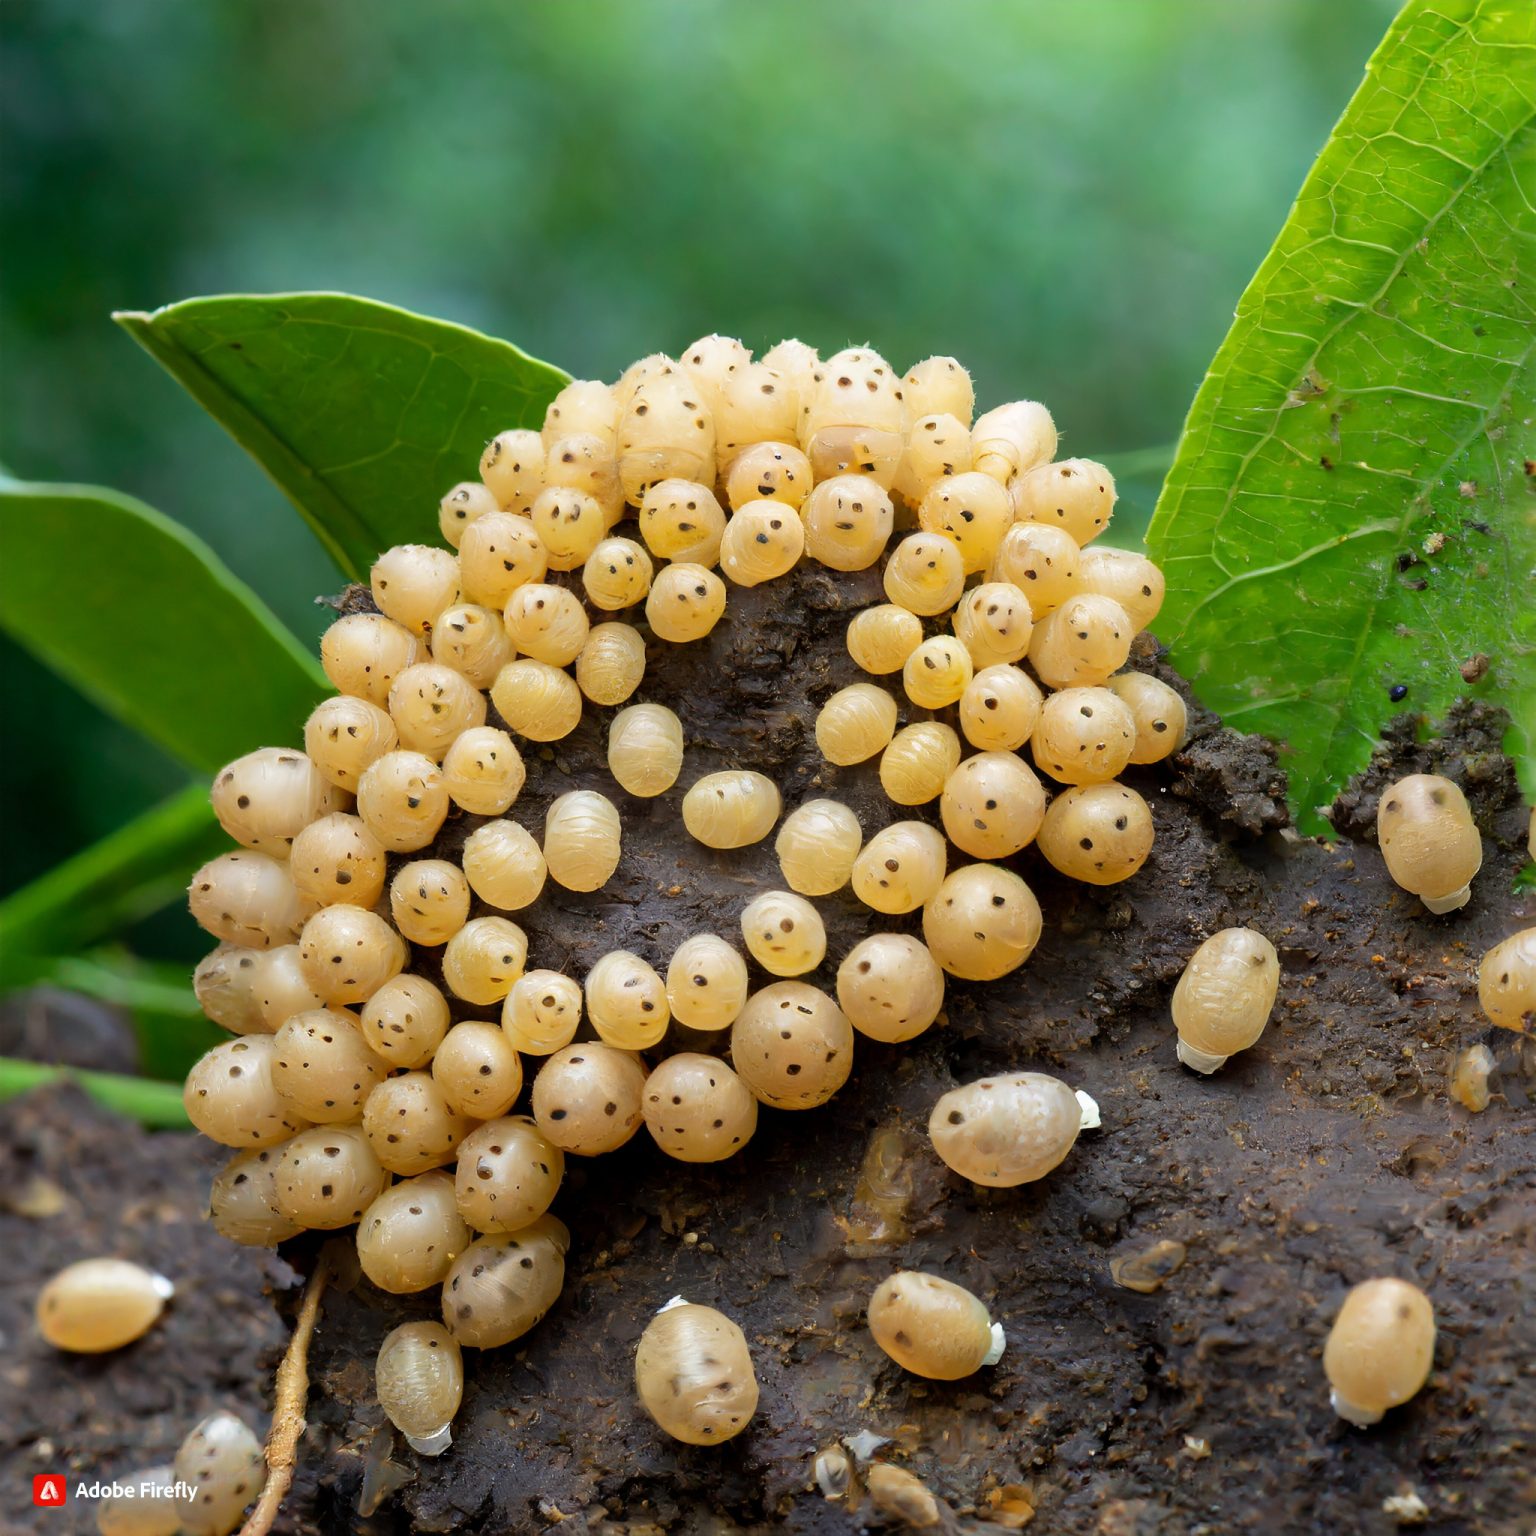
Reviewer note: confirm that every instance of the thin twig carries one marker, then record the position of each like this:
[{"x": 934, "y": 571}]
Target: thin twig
[{"x": 291, "y": 1393}]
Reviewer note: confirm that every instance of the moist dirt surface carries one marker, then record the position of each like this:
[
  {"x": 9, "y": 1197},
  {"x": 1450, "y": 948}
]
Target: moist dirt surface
[{"x": 1327, "y": 1154}]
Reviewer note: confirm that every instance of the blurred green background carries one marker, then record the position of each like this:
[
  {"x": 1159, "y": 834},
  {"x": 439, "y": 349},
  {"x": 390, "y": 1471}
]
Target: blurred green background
[{"x": 1068, "y": 194}]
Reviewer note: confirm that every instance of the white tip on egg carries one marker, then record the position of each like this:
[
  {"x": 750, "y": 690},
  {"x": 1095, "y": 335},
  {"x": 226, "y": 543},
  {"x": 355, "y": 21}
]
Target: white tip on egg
[
  {"x": 1353, "y": 1412},
  {"x": 431, "y": 1445},
  {"x": 1199, "y": 1061},
  {"x": 1091, "y": 1120},
  {"x": 677, "y": 1301},
  {"x": 1451, "y": 902},
  {"x": 999, "y": 1338}
]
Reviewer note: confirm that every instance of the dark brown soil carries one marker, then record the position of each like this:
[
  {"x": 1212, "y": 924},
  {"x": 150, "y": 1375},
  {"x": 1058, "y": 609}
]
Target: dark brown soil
[{"x": 1327, "y": 1154}]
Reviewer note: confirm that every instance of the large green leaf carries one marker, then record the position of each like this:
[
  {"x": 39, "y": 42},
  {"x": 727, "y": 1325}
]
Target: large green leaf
[
  {"x": 146, "y": 620},
  {"x": 362, "y": 413},
  {"x": 1352, "y": 510},
  {"x": 150, "y": 1103}
]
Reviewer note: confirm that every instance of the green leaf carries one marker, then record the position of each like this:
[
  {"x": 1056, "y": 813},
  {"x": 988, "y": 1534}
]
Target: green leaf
[
  {"x": 363, "y": 414},
  {"x": 1352, "y": 508},
  {"x": 124, "y": 877},
  {"x": 150, "y": 1103},
  {"x": 146, "y": 620}
]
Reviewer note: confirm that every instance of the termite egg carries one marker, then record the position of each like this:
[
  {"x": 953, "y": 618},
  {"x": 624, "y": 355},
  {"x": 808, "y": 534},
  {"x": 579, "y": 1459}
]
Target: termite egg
[
  {"x": 1011, "y": 439},
  {"x": 344, "y": 735},
  {"x": 693, "y": 1374},
  {"x": 971, "y": 509},
  {"x": 1097, "y": 833},
  {"x": 611, "y": 664},
  {"x": 784, "y": 933},
  {"x": 697, "y": 1109},
  {"x": 242, "y": 1203},
  {"x": 266, "y": 798},
  {"x": 429, "y": 900},
  {"x": 992, "y": 805},
  {"x": 503, "y": 1284},
  {"x": 1082, "y": 643},
  {"x": 1157, "y": 713},
  {"x": 769, "y": 471},
  {"x": 999, "y": 708},
  {"x": 853, "y": 417},
  {"x": 762, "y": 541},
  {"x": 405, "y": 1021},
  {"x": 403, "y": 798},
  {"x": 280, "y": 989},
  {"x": 483, "y": 959},
  {"x": 1006, "y": 1130},
  {"x": 901, "y": 867},
  {"x": 322, "y": 1066},
  {"x": 1469, "y": 1078},
  {"x": 498, "y": 553},
  {"x": 483, "y": 771},
  {"x": 982, "y": 923},
  {"x": 817, "y": 846},
  {"x": 363, "y": 653},
  {"x": 230, "y": 1097},
  {"x": 792, "y": 1046},
  {"x": 504, "y": 865},
  {"x": 1075, "y": 495},
  {"x": 890, "y": 987},
  {"x": 348, "y": 953},
  {"x": 478, "y": 1070},
  {"x": 224, "y": 983},
  {"x": 328, "y": 1177},
  {"x": 617, "y": 575},
  {"x": 752, "y": 404},
  {"x": 246, "y": 898},
  {"x": 627, "y": 1001},
  {"x": 1084, "y": 736},
  {"x": 537, "y": 700},
  {"x": 413, "y": 583},
  {"x": 937, "y": 672},
  {"x": 731, "y": 809},
  {"x": 1131, "y": 579},
  {"x": 461, "y": 506},
  {"x": 645, "y": 749},
  {"x": 1224, "y": 997},
  {"x": 855, "y": 724},
  {"x": 100, "y": 1304},
  {"x": 547, "y": 623},
  {"x": 685, "y": 603},
  {"x": 542, "y": 1012},
  {"x": 221, "y": 1466},
  {"x": 933, "y": 1327},
  {"x": 144, "y": 1506},
  {"x": 419, "y": 1380},
  {"x": 338, "y": 859},
  {"x": 848, "y": 522},
  {"x": 512, "y": 467},
  {"x": 925, "y": 574},
  {"x": 706, "y": 982},
  {"x": 584, "y": 405},
  {"x": 569, "y": 523},
  {"x": 881, "y": 638},
  {"x": 939, "y": 384},
  {"x": 665, "y": 433},
  {"x": 410, "y": 1235},
  {"x": 509, "y": 1173},
  {"x": 994, "y": 623},
  {"x": 410, "y": 1125},
  {"x": 680, "y": 520},
  {"x": 432, "y": 706},
  {"x": 918, "y": 762},
  {"x": 582, "y": 840},
  {"x": 586, "y": 1098},
  {"x": 584, "y": 462},
  {"x": 1379, "y": 1350},
  {"x": 1044, "y": 563},
  {"x": 1429, "y": 841},
  {"x": 473, "y": 641},
  {"x": 938, "y": 445},
  {"x": 1506, "y": 981}
]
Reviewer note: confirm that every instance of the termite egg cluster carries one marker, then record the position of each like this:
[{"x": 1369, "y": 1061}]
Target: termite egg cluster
[{"x": 382, "y": 995}]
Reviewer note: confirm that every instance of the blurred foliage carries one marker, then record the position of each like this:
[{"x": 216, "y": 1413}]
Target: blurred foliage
[{"x": 1069, "y": 195}]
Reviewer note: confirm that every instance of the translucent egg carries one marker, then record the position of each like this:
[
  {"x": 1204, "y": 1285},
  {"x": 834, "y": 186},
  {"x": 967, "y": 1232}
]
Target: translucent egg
[
  {"x": 1006, "y": 1130},
  {"x": 1081, "y": 643},
  {"x": 665, "y": 433},
  {"x": 762, "y": 541},
  {"x": 419, "y": 1381},
  {"x": 937, "y": 673},
  {"x": 584, "y": 405},
  {"x": 509, "y": 1172},
  {"x": 784, "y": 933},
  {"x": 731, "y": 809},
  {"x": 411, "y": 1234},
  {"x": 706, "y": 982},
  {"x": 247, "y": 899},
  {"x": 429, "y": 900},
  {"x": 938, "y": 446},
  {"x": 584, "y": 462},
  {"x": 405, "y": 1021},
  {"x": 537, "y": 700},
  {"x": 348, "y": 953},
  {"x": 617, "y": 575},
  {"x": 569, "y": 524},
  {"x": 1044, "y": 563},
  {"x": 881, "y": 638},
  {"x": 328, "y": 1177},
  {"x": 1428, "y": 839},
  {"x": 323, "y": 1068},
  {"x": 693, "y": 1375},
  {"x": 1075, "y": 495},
  {"x": 242, "y": 1202},
  {"x": 918, "y": 762},
  {"x": 901, "y": 867},
  {"x": 266, "y": 798},
  {"x": 410, "y": 1124},
  {"x": 512, "y": 469},
  {"x": 848, "y": 522},
  {"x": 344, "y": 735},
  {"x": 582, "y": 840},
  {"x": 478, "y": 1070},
  {"x": 1097, "y": 833},
  {"x": 973, "y": 511},
  {"x": 855, "y": 724},
  {"x": 413, "y": 583},
  {"x": 473, "y": 641},
  {"x": 586, "y": 1098},
  {"x": 1506, "y": 981},
  {"x": 224, "y": 984},
  {"x": 890, "y": 987},
  {"x": 403, "y": 798},
  {"x": 939, "y": 384},
  {"x": 712, "y": 362},
  {"x": 97, "y": 1305},
  {"x": 483, "y": 959},
  {"x": 483, "y": 772},
  {"x": 338, "y": 859},
  {"x": 498, "y": 553},
  {"x": 931, "y": 1326},
  {"x": 222, "y": 1467},
  {"x": 697, "y": 1109},
  {"x": 681, "y": 520},
  {"x": 363, "y": 653},
  {"x": 817, "y": 845},
  {"x": 1157, "y": 712},
  {"x": 541, "y": 1012},
  {"x": 1131, "y": 579},
  {"x": 645, "y": 749},
  {"x": 925, "y": 574},
  {"x": 504, "y": 865},
  {"x": 982, "y": 923},
  {"x": 685, "y": 603},
  {"x": 854, "y": 417},
  {"x": 627, "y": 1001},
  {"x": 792, "y": 1046},
  {"x": 432, "y": 706},
  {"x": 1013, "y": 438},
  {"x": 230, "y": 1097},
  {"x": 502, "y": 1285},
  {"x": 993, "y": 622},
  {"x": 754, "y": 404},
  {"x": 992, "y": 805},
  {"x": 611, "y": 664},
  {"x": 769, "y": 471},
  {"x": 547, "y": 623},
  {"x": 1085, "y": 736},
  {"x": 999, "y": 708},
  {"x": 1224, "y": 997},
  {"x": 144, "y": 1505},
  {"x": 280, "y": 988},
  {"x": 1379, "y": 1350}
]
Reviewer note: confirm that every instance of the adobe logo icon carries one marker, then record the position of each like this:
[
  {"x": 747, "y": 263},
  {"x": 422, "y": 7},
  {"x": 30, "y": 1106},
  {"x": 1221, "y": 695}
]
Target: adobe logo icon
[{"x": 49, "y": 1490}]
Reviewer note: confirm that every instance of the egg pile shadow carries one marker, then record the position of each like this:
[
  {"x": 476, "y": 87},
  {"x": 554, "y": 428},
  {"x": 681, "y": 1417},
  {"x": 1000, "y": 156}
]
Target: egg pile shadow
[{"x": 1328, "y": 1153}]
